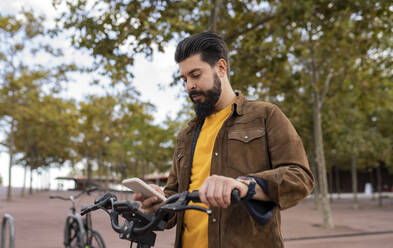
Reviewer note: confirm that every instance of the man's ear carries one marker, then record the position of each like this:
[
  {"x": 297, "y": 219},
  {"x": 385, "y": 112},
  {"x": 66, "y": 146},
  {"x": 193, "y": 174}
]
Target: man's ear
[{"x": 221, "y": 66}]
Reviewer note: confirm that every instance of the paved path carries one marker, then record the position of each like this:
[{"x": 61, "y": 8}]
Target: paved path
[
  {"x": 40, "y": 221},
  {"x": 368, "y": 226}
]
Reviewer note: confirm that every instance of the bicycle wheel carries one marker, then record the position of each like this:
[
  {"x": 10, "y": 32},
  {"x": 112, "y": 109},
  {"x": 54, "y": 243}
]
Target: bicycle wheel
[
  {"x": 72, "y": 235},
  {"x": 96, "y": 240}
]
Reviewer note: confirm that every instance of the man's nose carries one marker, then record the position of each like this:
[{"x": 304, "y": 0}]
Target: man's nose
[{"x": 191, "y": 85}]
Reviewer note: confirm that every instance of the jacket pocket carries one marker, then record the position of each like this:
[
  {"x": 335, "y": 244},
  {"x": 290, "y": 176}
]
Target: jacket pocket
[
  {"x": 246, "y": 151},
  {"x": 246, "y": 135}
]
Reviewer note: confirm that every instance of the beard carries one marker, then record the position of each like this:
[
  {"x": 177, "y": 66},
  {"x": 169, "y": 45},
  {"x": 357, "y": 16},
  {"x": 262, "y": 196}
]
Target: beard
[{"x": 207, "y": 107}]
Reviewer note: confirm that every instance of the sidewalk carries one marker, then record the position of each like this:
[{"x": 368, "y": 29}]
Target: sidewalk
[
  {"x": 368, "y": 226},
  {"x": 40, "y": 221}
]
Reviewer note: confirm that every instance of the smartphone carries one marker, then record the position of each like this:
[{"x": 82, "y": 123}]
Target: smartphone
[{"x": 139, "y": 186}]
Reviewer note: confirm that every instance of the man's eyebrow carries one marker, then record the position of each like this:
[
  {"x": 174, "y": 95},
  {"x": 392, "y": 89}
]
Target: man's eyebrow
[{"x": 191, "y": 72}]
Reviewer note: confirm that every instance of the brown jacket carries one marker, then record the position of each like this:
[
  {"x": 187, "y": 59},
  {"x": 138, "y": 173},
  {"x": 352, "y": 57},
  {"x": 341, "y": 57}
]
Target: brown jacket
[{"x": 256, "y": 140}]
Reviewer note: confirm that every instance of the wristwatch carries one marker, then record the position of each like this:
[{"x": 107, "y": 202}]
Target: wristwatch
[{"x": 250, "y": 182}]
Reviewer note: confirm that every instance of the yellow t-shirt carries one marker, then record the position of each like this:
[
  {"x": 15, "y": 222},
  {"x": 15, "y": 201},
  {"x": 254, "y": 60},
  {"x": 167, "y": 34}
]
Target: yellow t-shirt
[{"x": 196, "y": 222}]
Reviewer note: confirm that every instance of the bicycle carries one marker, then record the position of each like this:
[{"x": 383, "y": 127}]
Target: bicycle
[
  {"x": 140, "y": 227},
  {"x": 11, "y": 231},
  {"x": 78, "y": 231}
]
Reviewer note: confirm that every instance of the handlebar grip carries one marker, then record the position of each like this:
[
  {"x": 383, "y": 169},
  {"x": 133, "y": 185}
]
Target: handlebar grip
[
  {"x": 85, "y": 210},
  {"x": 193, "y": 196},
  {"x": 235, "y": 196}
]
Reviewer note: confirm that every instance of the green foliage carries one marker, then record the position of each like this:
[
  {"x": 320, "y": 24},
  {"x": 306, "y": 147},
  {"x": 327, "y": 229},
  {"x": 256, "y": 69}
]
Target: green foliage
[
  {"x": 44, "y": 131},
  {"x": 292, "y": 53},
  {"x": 117, "y": 132}
]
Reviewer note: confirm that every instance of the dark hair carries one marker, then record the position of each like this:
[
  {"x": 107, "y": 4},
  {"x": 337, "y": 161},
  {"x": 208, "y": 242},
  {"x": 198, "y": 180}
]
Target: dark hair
[{"x": 210, "y": 45}]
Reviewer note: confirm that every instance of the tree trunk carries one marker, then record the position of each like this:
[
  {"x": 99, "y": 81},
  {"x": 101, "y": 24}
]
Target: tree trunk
[
  {"x": 24, "y": 182},
  {"x": 106, "y": 168},
  {"x": 143, "y": 170},
  {"x": 89, "y": 170},
  {"x": 214, "y": 15},
  {"x": 320, "y": 160},
  {"x": 331, "y": 184},
  {"x": 372, "y": 183},
  {"x": 136, "y": 169},
  {"x": 338, "y": 189},
  {"x": 11, "y": 161},
  {"x": 379, "y": 182},
  {"x": 354, "y": 182},
  {"x": 31, "y": 181},
  {"x": 314, "y": 169}
]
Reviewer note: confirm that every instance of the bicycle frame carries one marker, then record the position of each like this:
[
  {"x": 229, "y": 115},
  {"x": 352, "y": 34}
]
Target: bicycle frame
[{"x": 8, "y": 218}]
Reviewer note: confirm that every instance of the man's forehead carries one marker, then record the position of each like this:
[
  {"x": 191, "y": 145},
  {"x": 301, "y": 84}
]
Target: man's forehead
[{"x": 190, "y": 64}]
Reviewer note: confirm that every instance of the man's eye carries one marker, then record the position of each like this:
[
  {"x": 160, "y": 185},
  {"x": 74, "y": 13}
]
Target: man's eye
[{"x": 195, "y": 75}]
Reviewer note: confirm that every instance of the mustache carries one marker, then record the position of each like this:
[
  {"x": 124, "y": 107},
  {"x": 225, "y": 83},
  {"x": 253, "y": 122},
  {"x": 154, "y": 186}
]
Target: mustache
[{"x": 196, "y": 92}]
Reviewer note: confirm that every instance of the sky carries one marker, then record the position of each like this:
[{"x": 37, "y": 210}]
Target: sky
[{"x": 148, "y": 76}]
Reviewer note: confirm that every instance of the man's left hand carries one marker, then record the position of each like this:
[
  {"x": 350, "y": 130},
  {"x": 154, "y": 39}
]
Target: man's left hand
[{"x": 216, "y": 191}]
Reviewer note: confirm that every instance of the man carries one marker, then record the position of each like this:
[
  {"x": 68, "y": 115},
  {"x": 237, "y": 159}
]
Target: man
[{"x": 231, "y": 143}]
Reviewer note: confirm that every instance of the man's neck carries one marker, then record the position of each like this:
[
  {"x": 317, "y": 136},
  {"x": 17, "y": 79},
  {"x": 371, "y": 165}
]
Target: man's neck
[{"x": 225, "y": 100}]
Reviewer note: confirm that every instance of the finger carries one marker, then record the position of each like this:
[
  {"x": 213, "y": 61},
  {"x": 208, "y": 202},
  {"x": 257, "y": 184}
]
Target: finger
[
  {"x": 202, "y": 192},
  {"x": 153, "y": 208},
  {"x": 227, "y": 189},
  {"x": 218, "y": 194},
  {"x": 210, "y": 194},
  {"x": 151, "y": 201},
  {"x": 156, "y": 187},
  {"x": 138, "y": 197}
]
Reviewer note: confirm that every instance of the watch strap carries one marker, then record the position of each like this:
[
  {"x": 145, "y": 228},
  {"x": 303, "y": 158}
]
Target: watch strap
[{"x": 251, "y": 183}]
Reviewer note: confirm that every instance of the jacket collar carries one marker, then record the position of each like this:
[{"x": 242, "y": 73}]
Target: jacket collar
[{"x": 239, "y": 103}]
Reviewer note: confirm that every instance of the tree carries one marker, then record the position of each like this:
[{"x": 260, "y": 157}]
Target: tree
[
  {"x": 15, "y": 33},
  {"x": 19, "y": 35},
  {"x": 44, "y": 133},
  {"x": 95, "y": 129}
]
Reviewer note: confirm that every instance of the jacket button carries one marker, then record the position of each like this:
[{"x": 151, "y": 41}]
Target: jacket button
[
  {"x": 214, "y": 220},
  {"x": 216, "y": 153}
]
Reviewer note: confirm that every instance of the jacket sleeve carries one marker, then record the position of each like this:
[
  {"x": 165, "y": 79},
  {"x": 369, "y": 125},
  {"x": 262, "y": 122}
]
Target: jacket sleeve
[
  {"x": 290, "y": 179},
  {"x": 171, "y": 188}
]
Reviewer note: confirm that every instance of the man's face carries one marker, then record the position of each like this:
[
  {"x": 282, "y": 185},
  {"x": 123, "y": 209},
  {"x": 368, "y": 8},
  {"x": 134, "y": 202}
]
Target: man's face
[{"x": 202, "y": 84}]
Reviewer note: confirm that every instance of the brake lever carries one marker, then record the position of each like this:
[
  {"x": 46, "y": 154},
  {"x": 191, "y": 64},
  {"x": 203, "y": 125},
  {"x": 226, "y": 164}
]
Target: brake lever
[
  {"x": 106, "y": 200},
  {"x": 88, "y": 209}
]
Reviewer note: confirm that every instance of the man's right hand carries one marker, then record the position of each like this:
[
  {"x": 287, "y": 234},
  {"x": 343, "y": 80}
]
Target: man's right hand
[{"x": 151, "y": 204}]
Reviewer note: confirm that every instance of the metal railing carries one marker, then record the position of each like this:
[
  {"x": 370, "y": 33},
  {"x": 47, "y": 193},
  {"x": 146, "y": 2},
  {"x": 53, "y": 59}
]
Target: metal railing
[{"x": 8, "y": 219}]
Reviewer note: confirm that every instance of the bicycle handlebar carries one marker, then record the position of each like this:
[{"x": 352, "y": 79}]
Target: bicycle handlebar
[
  {"x": 70, "y": 198},
  {"x": 138, "y": 223}
]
